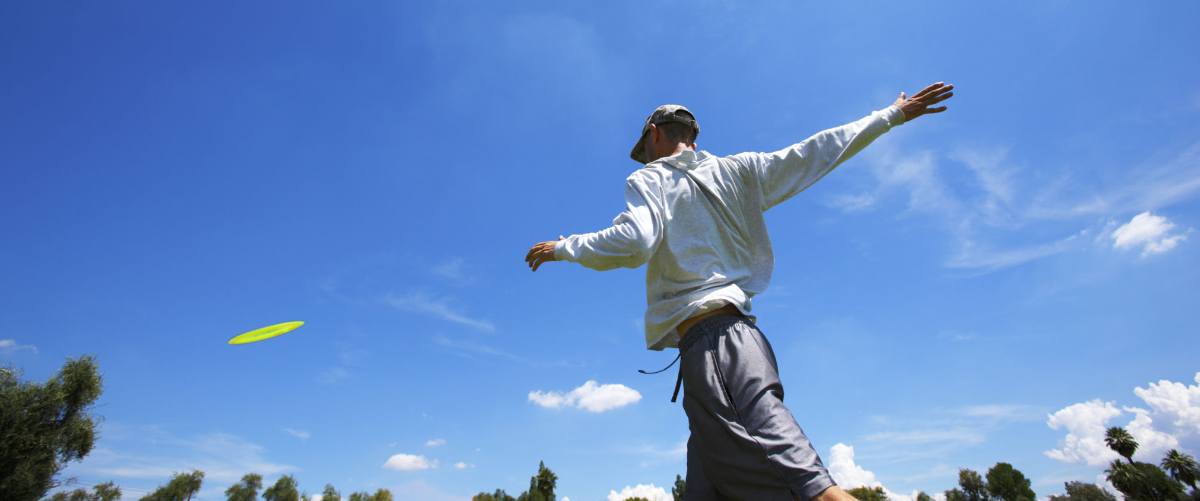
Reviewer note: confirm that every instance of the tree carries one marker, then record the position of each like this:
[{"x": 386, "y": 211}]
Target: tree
[
  {"x": 1182, "y": 467},
  {"x": 43, "y": 426},
  {"x": 382, "y": 495},
  {"x": 1009, "y": 484},
  {"x": 677, "y": 491},
  {"x": 865, "y": 493},
  {"x": 181, "y": 487},
  {"x": 330, "y": 494},
  {"x": 973, "y": 486},
  {"x": 921, "y": 496},
  {"x": 541, "y": 486},
  {"x": 955, "y": 495},
  {"x": 245, "y": 490},
  {"x": 1079, "y": 491},
  {"x": 285, "y": 489},
  {"x": 357, "y": 496},
  {"x": 1119, "y": 440},
  {"x": 499, "y": 495},
  {"x": 1140, "y": 481},
  {"x": 636, "y": 499},
  {"x": 100, "y": 492}
]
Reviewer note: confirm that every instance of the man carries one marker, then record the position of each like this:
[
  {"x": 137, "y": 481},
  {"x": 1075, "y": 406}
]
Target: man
[{"x": 697, "y": 220}]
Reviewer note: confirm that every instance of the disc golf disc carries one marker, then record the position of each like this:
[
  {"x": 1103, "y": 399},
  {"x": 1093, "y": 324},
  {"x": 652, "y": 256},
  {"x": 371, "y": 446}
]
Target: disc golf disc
[{"x": 267, "y": 332}]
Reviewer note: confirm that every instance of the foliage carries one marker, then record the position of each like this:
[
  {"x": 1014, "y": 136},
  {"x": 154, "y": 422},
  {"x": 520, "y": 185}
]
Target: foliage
[
  {"x": 330, "y": 493},
  {"x": 181, "y": 487},
  {"x": 921, "y": 496},
  {"x": 45, "y": 425},
  {"x": 107, "y": 491},
  {"x": 246, "y": 489},
  {"x": 865, "y": 493},
  {"x": 285, "y": 489},
  {"x": 1009, "y": 484},
  {"x": 1182, "y": 467},
  {"x": 1079, "y": 491},
  {"x": 1119, "y": 440},
  {"x": 677, "y": 491},
  {"x": 499, "y": 495},
  {"x": 1140, "y": 481},
  {"x": 636, "y": 499},
  {"x": 541, "y": 486}
]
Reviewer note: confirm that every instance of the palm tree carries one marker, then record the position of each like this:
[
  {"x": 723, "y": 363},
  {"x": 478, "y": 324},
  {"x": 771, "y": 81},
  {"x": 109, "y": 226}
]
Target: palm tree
[
  {"x": 1123, "y": 476},
  {"x": 1121, "y": 441},
  {"x": 1182, "y": 467}
]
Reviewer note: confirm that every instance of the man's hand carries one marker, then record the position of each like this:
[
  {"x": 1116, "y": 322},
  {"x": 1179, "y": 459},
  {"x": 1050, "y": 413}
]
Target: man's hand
[
  {"x": 920, "y": 104},
  {"x": 541, "y": 253}
]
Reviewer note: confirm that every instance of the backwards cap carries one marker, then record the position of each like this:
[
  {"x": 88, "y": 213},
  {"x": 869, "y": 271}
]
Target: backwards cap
[{"x": 664, "y": 114}]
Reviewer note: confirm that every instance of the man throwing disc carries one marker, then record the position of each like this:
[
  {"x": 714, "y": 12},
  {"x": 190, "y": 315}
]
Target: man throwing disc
[{"x": 697, "y": 221}]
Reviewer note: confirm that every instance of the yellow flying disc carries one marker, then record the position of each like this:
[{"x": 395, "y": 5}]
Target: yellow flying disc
[{"x": 267, "y": 332}]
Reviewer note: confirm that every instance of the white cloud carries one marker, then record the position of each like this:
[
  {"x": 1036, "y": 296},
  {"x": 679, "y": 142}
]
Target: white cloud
[
  {"x": 1172, "y": 421},
  {"x": 439, "y": 307},
  {"x": 10, "y": 345},
  {"x": 452, "y": 269},
  {"x": 297, "y": 433},
  {"x": 461, "y": 465},
  {"x": 649, "y": 492},
  {"x": 409, "y": 462},
  {"x": 435, "y": 442},
  {"x": 1148, "y": 231},
  {"x": 849, "y": 475},
  {"x": 333, "y": 375},
  {"x": 1085, "y": 424},
  {"x": 590, "y": 396}
]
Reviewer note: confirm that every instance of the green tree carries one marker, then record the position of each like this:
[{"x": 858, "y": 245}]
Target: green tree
[
  {"x": 677, "y": 491},
  {"x": 921, "y": 496},
  {"x": 1079, "y": 491},
  {"x": 246, "y": 489},
  {"x": 1182, "y": 467},
  {"x": 636, "y": 499},
  {"x": 1140, "y": 481},
  {"x": 382, "y": 495},
  {"x": 181, "y": 487},
  {"x": 499, "y": 495},
  {"x": 330, "y": 494},
  {"x": 285, "y": 489},
  {"x": 541, "y": 486},
  {"x": 865, "y": 493},
  {"x": 1121, "y": 441},
  {"x": 43, "y": 426},
  {"x": 107, "y": 491},
  {"x": 955, "y": 495},
  {"x": 358, "y": 496},
  {"x": 1009, "y": 484},
  {"x": 974, "y": 488}
]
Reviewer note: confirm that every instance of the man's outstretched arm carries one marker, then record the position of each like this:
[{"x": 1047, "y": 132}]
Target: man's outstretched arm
[{"x": 784, "y": 173}]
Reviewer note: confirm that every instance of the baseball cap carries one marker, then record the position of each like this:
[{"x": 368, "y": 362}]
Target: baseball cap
[{"x": 664, "y": 114}]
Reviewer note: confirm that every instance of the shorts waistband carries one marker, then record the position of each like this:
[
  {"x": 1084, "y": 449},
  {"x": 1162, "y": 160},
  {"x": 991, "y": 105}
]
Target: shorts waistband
[{"x": 706, "y": 326}]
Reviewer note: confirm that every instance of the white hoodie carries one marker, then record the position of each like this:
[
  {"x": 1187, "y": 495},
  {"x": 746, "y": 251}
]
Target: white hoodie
[{"x": 698, "y": 220}]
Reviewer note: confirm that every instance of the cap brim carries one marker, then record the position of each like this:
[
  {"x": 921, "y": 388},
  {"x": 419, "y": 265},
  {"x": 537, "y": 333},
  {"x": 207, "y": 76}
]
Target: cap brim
[{"x": 639, "y": 150}]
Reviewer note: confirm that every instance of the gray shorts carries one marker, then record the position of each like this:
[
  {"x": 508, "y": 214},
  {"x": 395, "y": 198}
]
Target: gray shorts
[{"x": 745, "y": 445}]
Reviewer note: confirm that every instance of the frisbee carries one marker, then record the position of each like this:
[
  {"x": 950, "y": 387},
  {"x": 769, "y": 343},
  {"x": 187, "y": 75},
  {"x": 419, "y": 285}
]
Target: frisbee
[{"x": 267, "y": 332}]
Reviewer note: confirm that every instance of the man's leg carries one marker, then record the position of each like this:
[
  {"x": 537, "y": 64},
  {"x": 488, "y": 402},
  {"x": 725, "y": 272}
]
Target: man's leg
[{"x": 747, "y": 441}]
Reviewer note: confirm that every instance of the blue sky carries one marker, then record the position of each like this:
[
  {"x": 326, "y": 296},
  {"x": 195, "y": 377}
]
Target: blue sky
[{"x": 995, "y": 283}]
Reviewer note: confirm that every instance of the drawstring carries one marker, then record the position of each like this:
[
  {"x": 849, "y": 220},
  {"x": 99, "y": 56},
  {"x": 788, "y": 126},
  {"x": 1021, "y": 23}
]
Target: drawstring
[{"x": 678, "y": 380}]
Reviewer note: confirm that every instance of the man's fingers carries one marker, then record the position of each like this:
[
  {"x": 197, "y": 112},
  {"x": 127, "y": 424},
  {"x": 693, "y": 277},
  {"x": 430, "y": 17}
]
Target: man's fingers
[
  {"x": 935, "y": 110},
  {"x": 902, "y": 95},
  {"x": 939, "y": 98},
  {"x": 928, "y": 90}
]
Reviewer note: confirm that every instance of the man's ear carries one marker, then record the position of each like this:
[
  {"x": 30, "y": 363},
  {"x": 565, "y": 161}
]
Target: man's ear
[{"x": 654, "y": 133}]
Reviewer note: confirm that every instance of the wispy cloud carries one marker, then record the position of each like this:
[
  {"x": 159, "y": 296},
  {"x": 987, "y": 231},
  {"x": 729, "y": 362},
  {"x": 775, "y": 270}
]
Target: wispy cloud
[
  {"x": 435, "y": 442},
  {"x": 422, "y": 302},
  {"x": 937, "y": 433},
  {"x": 467, "y": 348},
  {"x": 453, "y": 269},
  {"x": 333, "y": 375},
  {"x": 997, "y": 216},
  {"x": 303, "y": 435},
  {"x": 9, "y": 346},
  {"x": 591, "y": 396}
]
